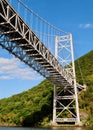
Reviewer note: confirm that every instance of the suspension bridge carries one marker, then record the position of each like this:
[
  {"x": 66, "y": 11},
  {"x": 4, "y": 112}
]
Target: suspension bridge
[{"x": 45, "y": 48}]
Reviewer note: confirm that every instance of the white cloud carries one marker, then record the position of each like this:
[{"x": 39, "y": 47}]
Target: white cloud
[
  {"x": 86, "y": 26},
  {"x": 13, "y": 68}
]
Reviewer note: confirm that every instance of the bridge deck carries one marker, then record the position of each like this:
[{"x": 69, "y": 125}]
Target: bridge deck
[{"x": 21, "y": 41}]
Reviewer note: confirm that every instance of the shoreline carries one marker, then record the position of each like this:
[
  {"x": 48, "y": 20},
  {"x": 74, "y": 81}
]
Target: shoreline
[{"x": 43, "y": 126}]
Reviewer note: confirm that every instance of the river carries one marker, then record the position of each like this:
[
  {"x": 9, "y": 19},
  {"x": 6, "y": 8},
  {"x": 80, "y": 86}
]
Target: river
[{"x": 54, "y": 128}]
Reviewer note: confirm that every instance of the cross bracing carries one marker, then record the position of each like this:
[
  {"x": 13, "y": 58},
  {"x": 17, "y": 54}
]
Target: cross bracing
[{"x": 20, "y": 40}]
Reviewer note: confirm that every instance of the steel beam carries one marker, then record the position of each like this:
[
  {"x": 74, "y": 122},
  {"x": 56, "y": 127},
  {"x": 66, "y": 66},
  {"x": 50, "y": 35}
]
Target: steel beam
[{"x": 21, "y": 39}]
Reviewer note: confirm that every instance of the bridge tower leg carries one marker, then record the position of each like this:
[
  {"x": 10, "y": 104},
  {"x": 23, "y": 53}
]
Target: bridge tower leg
[
  {"x": 65, "y": 106},
  {"x": 54, "y": 105},
  {"x": 75, "y": 86}
]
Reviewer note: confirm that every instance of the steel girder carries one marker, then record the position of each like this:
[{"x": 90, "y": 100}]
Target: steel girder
[{"x": 21, "y": 41}]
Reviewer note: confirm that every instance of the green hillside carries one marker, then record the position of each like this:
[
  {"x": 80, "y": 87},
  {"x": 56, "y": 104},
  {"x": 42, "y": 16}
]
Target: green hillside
[
  {"x": 34, "y": 107},
  {"x": 84, "y": 68},
  {"x": 85, "y": 65},
  {"x": 29, "y": 108}
]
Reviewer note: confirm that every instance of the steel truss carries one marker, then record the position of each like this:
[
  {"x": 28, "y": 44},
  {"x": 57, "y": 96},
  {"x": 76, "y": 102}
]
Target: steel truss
[
  {"x": 21, "y": 41},
  {"x": 66, "y": 107}
]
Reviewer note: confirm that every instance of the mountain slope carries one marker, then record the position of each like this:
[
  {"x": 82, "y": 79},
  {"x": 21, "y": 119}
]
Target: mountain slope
[
  {"x": 30, "y": 106},
  {"x": 84, "y": 68},
  {"x": 85, "y": 65},
  {"x": 34, "y": 107}
]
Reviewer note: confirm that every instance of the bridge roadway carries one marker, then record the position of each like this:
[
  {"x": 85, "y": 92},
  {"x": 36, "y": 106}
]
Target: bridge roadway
[{"x": 21, "y": 41}]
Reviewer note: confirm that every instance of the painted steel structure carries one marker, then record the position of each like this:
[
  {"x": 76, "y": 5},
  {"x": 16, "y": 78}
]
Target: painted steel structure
[
  {"x": 20, "y": 40},
  {"x": 66, "y": 107}
]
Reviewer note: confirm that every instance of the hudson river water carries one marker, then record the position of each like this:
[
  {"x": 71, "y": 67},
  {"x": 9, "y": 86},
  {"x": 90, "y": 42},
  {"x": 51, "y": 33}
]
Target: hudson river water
[{"x": 54, "y": 128}]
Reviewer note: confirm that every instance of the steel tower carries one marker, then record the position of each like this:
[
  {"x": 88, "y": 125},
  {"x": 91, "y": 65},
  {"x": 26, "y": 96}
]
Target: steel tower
[{"x": 65, "y": 104}]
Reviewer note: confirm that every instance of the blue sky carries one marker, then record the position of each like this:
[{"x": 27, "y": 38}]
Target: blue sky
[{"x": 75, "y": 16}]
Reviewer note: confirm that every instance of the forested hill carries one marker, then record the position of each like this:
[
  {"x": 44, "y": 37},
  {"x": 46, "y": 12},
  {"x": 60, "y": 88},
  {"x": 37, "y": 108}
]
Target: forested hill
[
  {"x": 85, "y": 65},
  {"x": 84, "y": 69},
  {"x": 34, "y": 107},
  {"x": 30, "y": 108}
]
